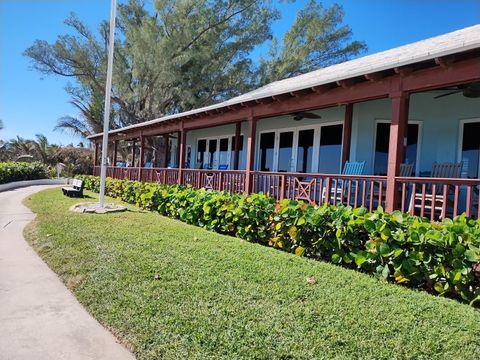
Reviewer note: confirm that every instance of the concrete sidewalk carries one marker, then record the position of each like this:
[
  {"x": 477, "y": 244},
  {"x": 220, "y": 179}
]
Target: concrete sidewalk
[{"x": 39, "y": 317}]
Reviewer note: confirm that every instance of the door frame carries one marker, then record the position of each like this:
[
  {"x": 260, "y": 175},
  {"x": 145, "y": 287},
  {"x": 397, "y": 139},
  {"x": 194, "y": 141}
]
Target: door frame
[
  {"x": 217, "y": 151},
  {"x": 317, "y": 128},
  {"x": 461, "y": 124}
]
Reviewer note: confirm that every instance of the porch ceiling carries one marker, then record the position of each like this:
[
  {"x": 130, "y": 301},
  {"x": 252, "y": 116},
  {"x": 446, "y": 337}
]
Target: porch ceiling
[{"x": 444, "y": 60}]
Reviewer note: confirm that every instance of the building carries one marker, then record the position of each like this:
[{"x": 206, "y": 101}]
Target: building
[{"x": 407, "y": 120}]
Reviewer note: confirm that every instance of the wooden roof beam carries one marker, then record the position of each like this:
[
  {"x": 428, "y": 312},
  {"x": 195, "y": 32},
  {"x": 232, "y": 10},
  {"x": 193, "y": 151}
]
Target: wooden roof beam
[
  {"x": 346, "y": 83},
  {"x": 376, "y": 76},
  {"x": 302, "y": 92},
  {"x": 266, "y": 100},
  {"x": 445, "y": 61},
  {"x": 282, "y": 97},
  {"x": 247, "y": 103},
  {"x": 403, "y": 70},
  {"x": 321, "y": 89}
]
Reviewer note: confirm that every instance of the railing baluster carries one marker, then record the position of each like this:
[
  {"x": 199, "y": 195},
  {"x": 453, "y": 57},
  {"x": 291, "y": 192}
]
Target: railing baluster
[
  {"x": 413, "y": 198},
  {"x": 469, "y": 200},
  {"x": 349, "y": 191},
  {"x": 380, "y": 195},
  {"x": 372, "y": 185},
  {"x": 422, "y": 208},
  {"x": 434, "y": 202},
  {"x": 445, "y": 199}
]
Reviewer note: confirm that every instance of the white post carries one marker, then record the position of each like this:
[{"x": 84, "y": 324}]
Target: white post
[{"x": 106, "y": 111}]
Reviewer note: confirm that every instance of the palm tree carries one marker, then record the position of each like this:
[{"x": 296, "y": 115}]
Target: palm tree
[
  {"x": 43, "y": 150},
  {"x": 20, "y": 147},
  {"x": 90, "y": 105}
]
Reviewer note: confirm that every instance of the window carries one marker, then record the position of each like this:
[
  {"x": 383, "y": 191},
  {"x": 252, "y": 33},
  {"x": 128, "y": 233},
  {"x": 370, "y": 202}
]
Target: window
[
  {"x": 330, "y": 156},
  {"x": 470, "y": 149},
  {"x": 382, "y": 142},
  {"x": 267, "y": 145}
]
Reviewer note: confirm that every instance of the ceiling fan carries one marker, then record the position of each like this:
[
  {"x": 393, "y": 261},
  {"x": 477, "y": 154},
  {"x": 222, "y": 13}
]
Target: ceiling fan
[
  {"x": 468, "y": 90},
  {"x": 297, "y": 116}
]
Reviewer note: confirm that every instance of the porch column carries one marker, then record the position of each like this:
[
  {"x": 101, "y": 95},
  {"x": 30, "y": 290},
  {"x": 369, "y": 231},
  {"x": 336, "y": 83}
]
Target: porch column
[
  {"x": 95, "y": 155},
  {"x": 398, "y": 127},
  {"x": 179, "y": 135},
  {"x": 141, "y": 163},
  {"x": 133, "y": 153},
  {"x": 142, "y": 151},
  {"x": 237, "y": 145},
  {"x": 347, "y": 133},
  {"x": 115, "y": 150},
  {"x": 252, "y": 129},
  {"x": 181, "y": 153}
]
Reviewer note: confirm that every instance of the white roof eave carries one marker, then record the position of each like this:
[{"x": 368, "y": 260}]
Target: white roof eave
[{"x": 443, "y": 45}]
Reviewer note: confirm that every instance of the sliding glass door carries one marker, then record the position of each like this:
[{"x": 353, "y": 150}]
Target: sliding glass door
[
  {"x": 285, "y": 151},
  {"x": 213, "y": 153},
  {"x": 470, "y": 148},
  {"x": 330, "y": 154},
  {"x": 303, "y": 149}
]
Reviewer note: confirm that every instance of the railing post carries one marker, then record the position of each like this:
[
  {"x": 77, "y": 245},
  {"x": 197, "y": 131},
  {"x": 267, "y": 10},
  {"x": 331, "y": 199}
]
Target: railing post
[
  {"x": 328, "y": 190},
  {"x": 252, "y": 129},
  {"x": 398, "y": 127},
  {"x": 219, "y": 181},
  {"x": 282, "y": 187}
]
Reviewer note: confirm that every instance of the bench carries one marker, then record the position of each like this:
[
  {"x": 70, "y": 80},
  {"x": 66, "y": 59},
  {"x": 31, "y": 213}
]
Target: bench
[{"x": 75, "y": 190}]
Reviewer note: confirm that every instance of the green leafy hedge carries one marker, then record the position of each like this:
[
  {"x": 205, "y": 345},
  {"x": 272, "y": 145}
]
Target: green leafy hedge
[
  {"x": 18, "y": 171},
  {"x": 442, "y": 258}
]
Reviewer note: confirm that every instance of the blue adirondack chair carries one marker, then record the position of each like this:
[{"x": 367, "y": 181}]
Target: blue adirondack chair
[{"x": 350, "y": 168}]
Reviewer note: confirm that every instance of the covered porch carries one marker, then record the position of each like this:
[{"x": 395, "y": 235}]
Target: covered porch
[{"x": 411, "y": 128}]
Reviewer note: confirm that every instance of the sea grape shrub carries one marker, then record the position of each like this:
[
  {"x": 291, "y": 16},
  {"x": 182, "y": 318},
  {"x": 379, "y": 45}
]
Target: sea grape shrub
[{"x": 442, "y": 258}]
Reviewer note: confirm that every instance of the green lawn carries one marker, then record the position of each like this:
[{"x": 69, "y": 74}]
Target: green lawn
[{"x": 170, "y": 290}]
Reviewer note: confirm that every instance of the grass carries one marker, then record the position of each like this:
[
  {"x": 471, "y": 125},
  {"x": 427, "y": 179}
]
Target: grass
[{"x": 174, "y": 291}]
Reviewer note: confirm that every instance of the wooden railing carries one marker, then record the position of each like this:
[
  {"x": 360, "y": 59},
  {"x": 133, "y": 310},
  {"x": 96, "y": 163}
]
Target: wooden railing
[
  {"x": 434, "y": 198},
  {"x": 223, "y": 180},
  {"x": 354, "y": 190},
  {"x": 438, "y": 198}
]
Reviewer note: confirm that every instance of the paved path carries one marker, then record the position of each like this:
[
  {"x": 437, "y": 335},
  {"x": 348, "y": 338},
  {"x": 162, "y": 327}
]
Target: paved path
[{"x": 39, "y": 317}]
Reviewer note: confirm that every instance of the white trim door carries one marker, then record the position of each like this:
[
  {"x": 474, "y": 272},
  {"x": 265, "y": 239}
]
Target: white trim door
[
  {"x": 462, "y": 124},
  {"x": 280, "y": 158}
]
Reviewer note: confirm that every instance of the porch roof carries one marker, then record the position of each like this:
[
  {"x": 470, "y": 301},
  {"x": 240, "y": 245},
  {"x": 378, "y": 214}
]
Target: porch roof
[{"x": 448, "y": 44}]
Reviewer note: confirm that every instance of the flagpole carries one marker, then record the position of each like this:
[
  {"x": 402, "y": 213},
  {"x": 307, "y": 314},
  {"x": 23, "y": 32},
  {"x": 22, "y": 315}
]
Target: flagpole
[{"x": 106, "y": 111}]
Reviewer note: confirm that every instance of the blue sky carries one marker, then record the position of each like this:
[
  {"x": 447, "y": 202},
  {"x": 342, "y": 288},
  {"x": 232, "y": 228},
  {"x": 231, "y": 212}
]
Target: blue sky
[{"x": 30, "y": 102}]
